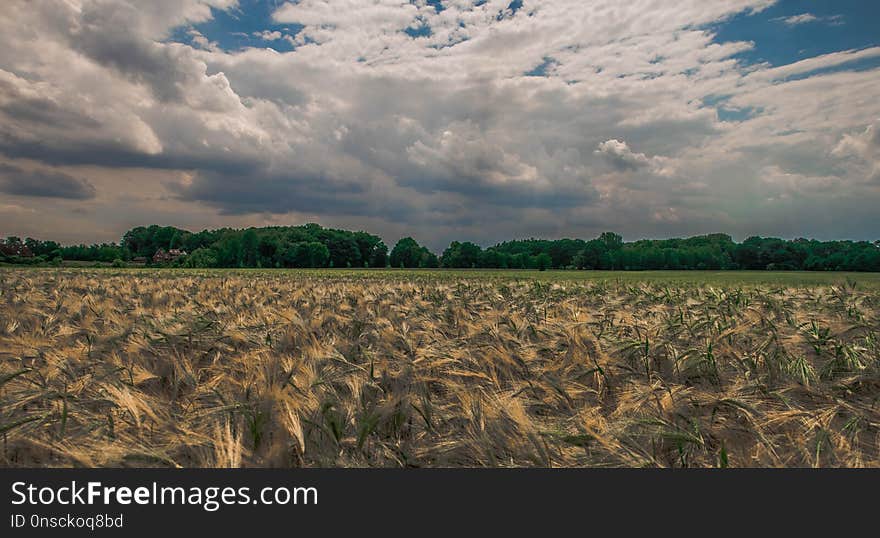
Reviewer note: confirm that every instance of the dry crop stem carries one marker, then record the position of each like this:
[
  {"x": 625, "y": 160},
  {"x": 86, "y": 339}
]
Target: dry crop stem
[{"x": 279, "y": 369}]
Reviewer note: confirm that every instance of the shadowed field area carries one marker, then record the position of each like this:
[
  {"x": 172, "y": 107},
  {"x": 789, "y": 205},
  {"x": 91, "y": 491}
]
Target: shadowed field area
[{"x": 438, "y": 368}]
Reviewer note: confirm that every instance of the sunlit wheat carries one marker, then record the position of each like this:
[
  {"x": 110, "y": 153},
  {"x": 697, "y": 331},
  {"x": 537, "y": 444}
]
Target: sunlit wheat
[{"x": 271, "y": 369}]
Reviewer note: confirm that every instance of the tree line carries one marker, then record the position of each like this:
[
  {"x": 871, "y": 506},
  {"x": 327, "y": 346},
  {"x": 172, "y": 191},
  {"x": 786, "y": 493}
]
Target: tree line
[
  {"x": 278, "y": 246},
  {"x": 311, "y": 245}
]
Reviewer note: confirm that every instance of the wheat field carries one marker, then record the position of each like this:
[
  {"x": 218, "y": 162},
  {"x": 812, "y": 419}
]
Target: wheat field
[{"x": 287, "y": 369}]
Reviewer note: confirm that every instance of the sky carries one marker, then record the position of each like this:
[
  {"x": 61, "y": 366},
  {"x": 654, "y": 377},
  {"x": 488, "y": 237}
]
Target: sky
[{"x": 479, "y": 120}]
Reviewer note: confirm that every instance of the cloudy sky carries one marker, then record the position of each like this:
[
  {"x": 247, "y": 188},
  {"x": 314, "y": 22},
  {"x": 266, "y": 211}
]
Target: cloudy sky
[{"x": 475, "y": 120}]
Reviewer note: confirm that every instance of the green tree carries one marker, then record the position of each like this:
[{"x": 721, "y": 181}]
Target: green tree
[
  {"x": 248, "y": 251},
  {"x": 461, "y": 255},
  {"x": 428, "y": 259},
  {"x": 543, "y": 261},
  {"x": 201, "y": 258},
  {"x": 344, "y": 251},
  {"x": 318, "y": 254},
  {"x": 611, "y": 240},
  {"x": 379, "y": 255},
  {"x": 406, "y": 253}
]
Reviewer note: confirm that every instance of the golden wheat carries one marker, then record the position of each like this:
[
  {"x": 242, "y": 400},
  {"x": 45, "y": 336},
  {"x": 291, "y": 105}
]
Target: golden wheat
[{"x": 279, "y": 369}]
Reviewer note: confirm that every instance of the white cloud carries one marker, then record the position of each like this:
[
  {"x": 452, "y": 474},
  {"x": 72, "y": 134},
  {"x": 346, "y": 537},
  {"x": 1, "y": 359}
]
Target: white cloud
[
  {"x": 794, "y": 20},
  {"x": 463, "y": 153},
  {"x": 621, "y": 157},
  {"x": 202, "y": 42},
  {"x": 267, "y": 35},
  {"x": 865, "y": 146},
  {"x": 806, "y": 18},
  {"x": 785, "y": 183},
  {"x": 816, "y": 63}
]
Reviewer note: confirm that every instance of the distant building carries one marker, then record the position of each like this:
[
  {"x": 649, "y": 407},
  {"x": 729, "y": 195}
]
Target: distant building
[
  {"x": 139, "y": 260},
  {"x": 163, "y": 256},
  {"x": 15, "y": 249}
]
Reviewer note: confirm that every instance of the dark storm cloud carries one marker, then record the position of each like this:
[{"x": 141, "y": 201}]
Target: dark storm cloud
[
  {"x": 514, "y": 196},
  {"x": 14, "y": 180},
  {"x": 110, "y": 154},
  {"x": 109, "y": 34},
  {"x": 261, "y": 191},
  {"x": 41, "y": 110},
  {"x": 483, "y": 175}
]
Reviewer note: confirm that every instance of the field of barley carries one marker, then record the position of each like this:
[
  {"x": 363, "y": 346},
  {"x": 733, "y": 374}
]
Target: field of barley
[{"x": 177, "y": 368}]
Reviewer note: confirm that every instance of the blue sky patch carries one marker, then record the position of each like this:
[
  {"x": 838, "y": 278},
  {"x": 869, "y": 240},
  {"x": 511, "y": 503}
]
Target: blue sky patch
[
  {"x": 248, "y": 25},
  {"x": 541, "y": 69},
  {"x": 436, "y": 4},
  {"x": 422, "y": 30},
  {"x": 837, "y": 25},
  {"x": 730, "y": 114},
  {"x": 791, "y": 31}
]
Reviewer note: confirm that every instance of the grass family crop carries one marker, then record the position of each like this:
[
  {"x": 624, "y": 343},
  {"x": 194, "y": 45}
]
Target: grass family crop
[{"x": 264, "y": 369}]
